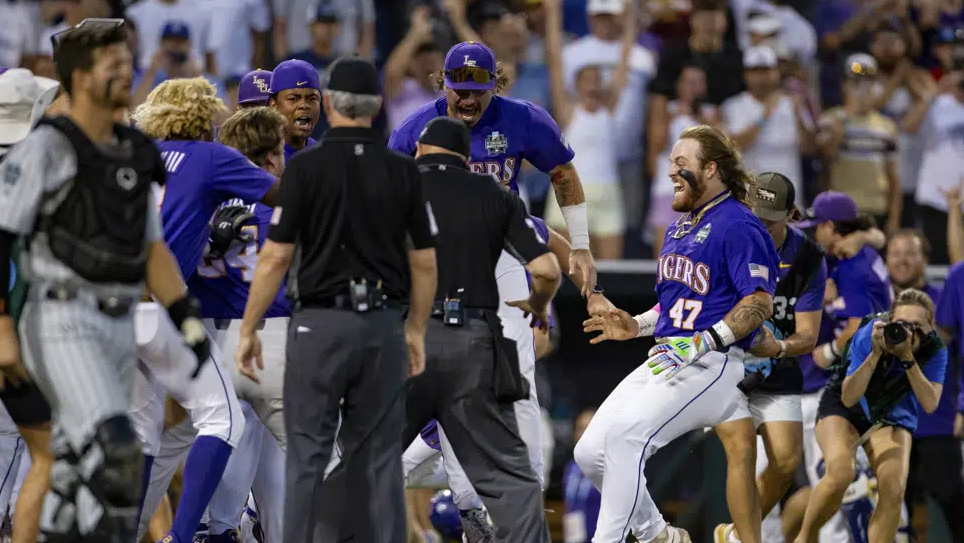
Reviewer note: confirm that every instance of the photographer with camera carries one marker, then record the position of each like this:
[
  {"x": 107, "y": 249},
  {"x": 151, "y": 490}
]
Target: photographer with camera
[{"x": 895, "y": 363}]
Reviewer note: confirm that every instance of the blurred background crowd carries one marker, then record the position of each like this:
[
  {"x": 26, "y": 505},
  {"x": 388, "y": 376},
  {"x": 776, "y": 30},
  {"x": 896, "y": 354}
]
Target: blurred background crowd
[{"x": 860, "y": 96}]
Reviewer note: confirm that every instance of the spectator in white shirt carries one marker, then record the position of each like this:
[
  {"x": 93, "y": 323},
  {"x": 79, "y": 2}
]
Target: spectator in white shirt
[
  {"x": 795, "y": 32},
  {"x": 239, "y": 35},
  {"x": 938, "y": 119},
  {"x": 603, "y": 48},
  {"x": 357, "y": 33},
  {"x": 74, "y": 12},
  {"x": 690, "y": 108},
  {"x": 150, "y": 16},
  {"x": 770, "y": 127},
  {"x": 19, "y": 21},
  {"x": 587, "y": 118}
]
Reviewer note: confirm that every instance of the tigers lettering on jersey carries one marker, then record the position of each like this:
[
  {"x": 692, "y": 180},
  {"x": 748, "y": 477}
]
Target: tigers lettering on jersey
[
  {"x": 509, "y": 132},
  {"x": 683, "y": 270}
]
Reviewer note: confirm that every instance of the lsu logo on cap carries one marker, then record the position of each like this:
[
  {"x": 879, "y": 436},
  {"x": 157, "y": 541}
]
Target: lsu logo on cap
[{"x": 261, "y": 84}]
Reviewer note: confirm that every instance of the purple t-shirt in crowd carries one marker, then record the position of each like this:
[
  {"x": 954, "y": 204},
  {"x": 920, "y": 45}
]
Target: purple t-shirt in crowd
[
  {"x": 701, "y": 276},
  {"x": 950, "y": 314},
  {"x": 581, "y": 498}
]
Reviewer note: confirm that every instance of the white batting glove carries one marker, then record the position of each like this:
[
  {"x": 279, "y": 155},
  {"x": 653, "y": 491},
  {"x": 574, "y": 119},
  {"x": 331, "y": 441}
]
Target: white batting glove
[{"x": 671, "y": 357}]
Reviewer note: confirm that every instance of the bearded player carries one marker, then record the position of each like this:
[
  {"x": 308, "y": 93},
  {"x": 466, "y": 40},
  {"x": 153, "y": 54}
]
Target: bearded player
[
  {"x": 505, "y": 131},
  {"x": 715, "y": 283}
]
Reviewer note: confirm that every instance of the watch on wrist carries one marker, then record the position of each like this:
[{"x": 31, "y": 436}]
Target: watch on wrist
[
  {"x": 596, "y": 290},
  {"x": 907, "y": 364}
]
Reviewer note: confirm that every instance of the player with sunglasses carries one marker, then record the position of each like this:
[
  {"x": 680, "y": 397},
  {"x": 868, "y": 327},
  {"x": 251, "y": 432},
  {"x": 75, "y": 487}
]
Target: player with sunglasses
[{"x": 895, "y": 365}]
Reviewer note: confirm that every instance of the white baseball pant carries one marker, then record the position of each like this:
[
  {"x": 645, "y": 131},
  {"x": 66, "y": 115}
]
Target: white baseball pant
[
  {"x": 513, "y": 285},
  {"x": 166, "y": 365},
  {"x": 644, "y": 413},
  {"x": 13, "y": 453}
]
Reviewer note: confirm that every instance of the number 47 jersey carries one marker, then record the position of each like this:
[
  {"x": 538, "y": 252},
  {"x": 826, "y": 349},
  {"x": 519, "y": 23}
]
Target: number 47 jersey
[{"x": 221, "y": 285}]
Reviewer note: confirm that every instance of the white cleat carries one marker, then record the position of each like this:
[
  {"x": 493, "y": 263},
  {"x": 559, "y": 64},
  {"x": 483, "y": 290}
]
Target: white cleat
[
  {"x": 673, "y": 534},
  {"x": 725, "y": 533}
]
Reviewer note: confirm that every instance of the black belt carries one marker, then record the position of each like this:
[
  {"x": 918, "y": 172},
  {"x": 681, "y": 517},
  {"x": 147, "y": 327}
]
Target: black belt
[
  {"x": 343, "y": 302},
  {"x": 112, "y": 306},
  {"x": 224, "y": 324},
  {"x": 438, "y": 311}
]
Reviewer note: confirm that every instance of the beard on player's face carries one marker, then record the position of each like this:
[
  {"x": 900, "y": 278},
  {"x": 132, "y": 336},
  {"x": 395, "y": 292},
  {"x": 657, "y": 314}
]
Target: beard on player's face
[
  {"x": 685, "y": 196},
  {"x": 467, "y": 106}
]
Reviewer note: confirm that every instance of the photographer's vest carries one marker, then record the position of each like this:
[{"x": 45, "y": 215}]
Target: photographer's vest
[
  {"x": 96, "y": 223},
  {"x": 884, "y": 392},
  {"x": 786, "y": 373}
]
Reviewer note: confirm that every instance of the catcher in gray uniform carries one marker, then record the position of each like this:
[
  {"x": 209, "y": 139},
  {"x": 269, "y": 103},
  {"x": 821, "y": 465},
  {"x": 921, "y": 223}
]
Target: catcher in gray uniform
[{"x": 78, "y": 191}]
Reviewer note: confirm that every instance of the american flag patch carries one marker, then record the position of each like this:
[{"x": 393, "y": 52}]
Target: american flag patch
[{"x": 762, "y": 272}]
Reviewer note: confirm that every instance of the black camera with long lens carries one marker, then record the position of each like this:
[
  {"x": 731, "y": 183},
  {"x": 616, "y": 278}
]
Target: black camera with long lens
[{"x": 894, "y": 333}]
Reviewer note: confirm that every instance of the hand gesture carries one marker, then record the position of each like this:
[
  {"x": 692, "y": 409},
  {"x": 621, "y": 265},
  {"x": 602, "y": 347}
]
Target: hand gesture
[
  {"x": 248, "y": 356},
  {"x": 455, "y": 9},
  {"x": 540, "y": 315},
  {"x": 582, "y": 265},
  {"x": 954, "y": 196},
  {"x": 878, "y": 344},
  {"x": 598, "y": 304},
  {"x": 227, "y": 226},
  {"x": 615, "y": 325},
  {"x": 421, "y": 23},
  {"x": 921, "y": 85},
  {"x": 671, "y": 357},
  {"x": 415, "y": 341}
]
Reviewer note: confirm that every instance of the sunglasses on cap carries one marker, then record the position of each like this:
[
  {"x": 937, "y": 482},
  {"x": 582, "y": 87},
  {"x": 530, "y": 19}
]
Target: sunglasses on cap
[
  {"x": 92, "y": 24},
  {"x": 470, "y": 73}
]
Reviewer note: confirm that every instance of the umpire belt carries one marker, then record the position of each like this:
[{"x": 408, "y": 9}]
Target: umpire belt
[
  {"x": 112, "y": 306},
  {"x": 438, "y": 312},
  {"x": 343, "y": 302}
]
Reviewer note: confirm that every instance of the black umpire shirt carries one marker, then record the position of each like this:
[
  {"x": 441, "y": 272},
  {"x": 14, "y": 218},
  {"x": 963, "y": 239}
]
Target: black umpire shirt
[
  {"x": 353, "y": 208},
  {"x": 477, "y": 219}
]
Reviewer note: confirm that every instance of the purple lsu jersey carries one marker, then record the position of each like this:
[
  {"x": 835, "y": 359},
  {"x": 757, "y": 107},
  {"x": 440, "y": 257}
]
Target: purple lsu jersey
[
  {"x": 201, "y": 175},
  {"x": 221, "y": 285},
  {"x": 508, "y": 132},
  {"x": 291, "y": 151},
  {"x": 702, "y": 275}
]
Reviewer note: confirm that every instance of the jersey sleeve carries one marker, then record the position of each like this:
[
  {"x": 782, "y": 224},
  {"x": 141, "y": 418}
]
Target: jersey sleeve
[
  {"x": 234, "y": 176},
  {"x": 28, "y": 171},
  {"x": 420, "y": 221},
  {"x": 521, "y": 233},
  {"x": 812, "y": 297},
  {"x": 949, "y": 311},
  {"x": 289, "y": 214},
  {"x": 936, "y": 367},
  {"x": 546, "y": 148},
  {"x": 402, "y": 138},
  {"x": 852, "y": 287},
  {"x": 860, "y": 347},
  {"x": 751, "y": 259}
]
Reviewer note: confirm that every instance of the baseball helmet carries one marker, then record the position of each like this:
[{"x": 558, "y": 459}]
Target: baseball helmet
[{"x": 445, "y": 516}]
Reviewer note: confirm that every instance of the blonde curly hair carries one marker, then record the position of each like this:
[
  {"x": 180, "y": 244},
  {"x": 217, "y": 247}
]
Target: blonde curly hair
[{"x": 182, "y": 109}]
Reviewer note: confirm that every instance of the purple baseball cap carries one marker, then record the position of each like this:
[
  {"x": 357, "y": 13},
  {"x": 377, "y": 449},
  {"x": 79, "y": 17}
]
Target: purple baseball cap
[
  {"x": 830, "y": 206},
  {"x": 294, "y": 74},
  {"x": 253, "y": 89},
  {"x": 470, "y": 65}
]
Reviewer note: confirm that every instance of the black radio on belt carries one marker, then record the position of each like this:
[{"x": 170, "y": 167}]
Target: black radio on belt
[
  {"x": 364, "y": 297},
  {"x": 453, "y": 312}
]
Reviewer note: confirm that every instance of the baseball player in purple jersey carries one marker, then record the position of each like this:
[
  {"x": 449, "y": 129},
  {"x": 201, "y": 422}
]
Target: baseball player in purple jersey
[
  {"x": 201, "y": 174},
  {"x": 504, "y": 132},
  {"x": 253, "y": 89},
  {"x": 715, "y": 282},
  {"x": 295, "y": 91}
]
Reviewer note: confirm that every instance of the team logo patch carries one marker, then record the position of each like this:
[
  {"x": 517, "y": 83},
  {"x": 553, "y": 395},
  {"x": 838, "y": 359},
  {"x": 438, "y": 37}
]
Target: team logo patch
[
  {"x": 766, "y": 195},
  {"x": 126, "y": 177},
  {"x": 496, "y": 144},
  {"x": 703, "y": 234},
  {"x": 11, "y": 174}
]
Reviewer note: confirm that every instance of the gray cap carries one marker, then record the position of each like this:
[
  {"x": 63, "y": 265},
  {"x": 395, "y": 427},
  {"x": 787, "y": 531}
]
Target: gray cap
[{"x": 773, "y": 196}]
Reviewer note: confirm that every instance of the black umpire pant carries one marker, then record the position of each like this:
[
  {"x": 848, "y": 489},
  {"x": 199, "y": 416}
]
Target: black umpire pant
[
  {"x": 935, "y": 469},
  {"x": 361, "y": 358},
  {"x": 456, "y": 390}
]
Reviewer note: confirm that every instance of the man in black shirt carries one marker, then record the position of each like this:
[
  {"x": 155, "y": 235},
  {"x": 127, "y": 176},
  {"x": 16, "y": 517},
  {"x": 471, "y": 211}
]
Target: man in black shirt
[
  {"x": 358, "y": 234},
  {"x": 472, "y": 373}
]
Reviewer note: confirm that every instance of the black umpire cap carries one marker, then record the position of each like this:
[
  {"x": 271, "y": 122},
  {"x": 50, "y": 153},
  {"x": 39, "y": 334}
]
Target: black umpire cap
[
  {"x": 354, "y": 75},
  {"x": 447, "y": 133}
]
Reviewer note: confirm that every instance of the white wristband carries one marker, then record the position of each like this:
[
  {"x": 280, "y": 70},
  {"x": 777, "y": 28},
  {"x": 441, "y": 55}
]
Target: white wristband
[
  {"x": 783, "y": 348},
  {"x": 577, "y": 222},
  {"x": 829, "y": 352},
  {"x": 722, "y": 335},
  {"x": 647, "y": 322}
]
